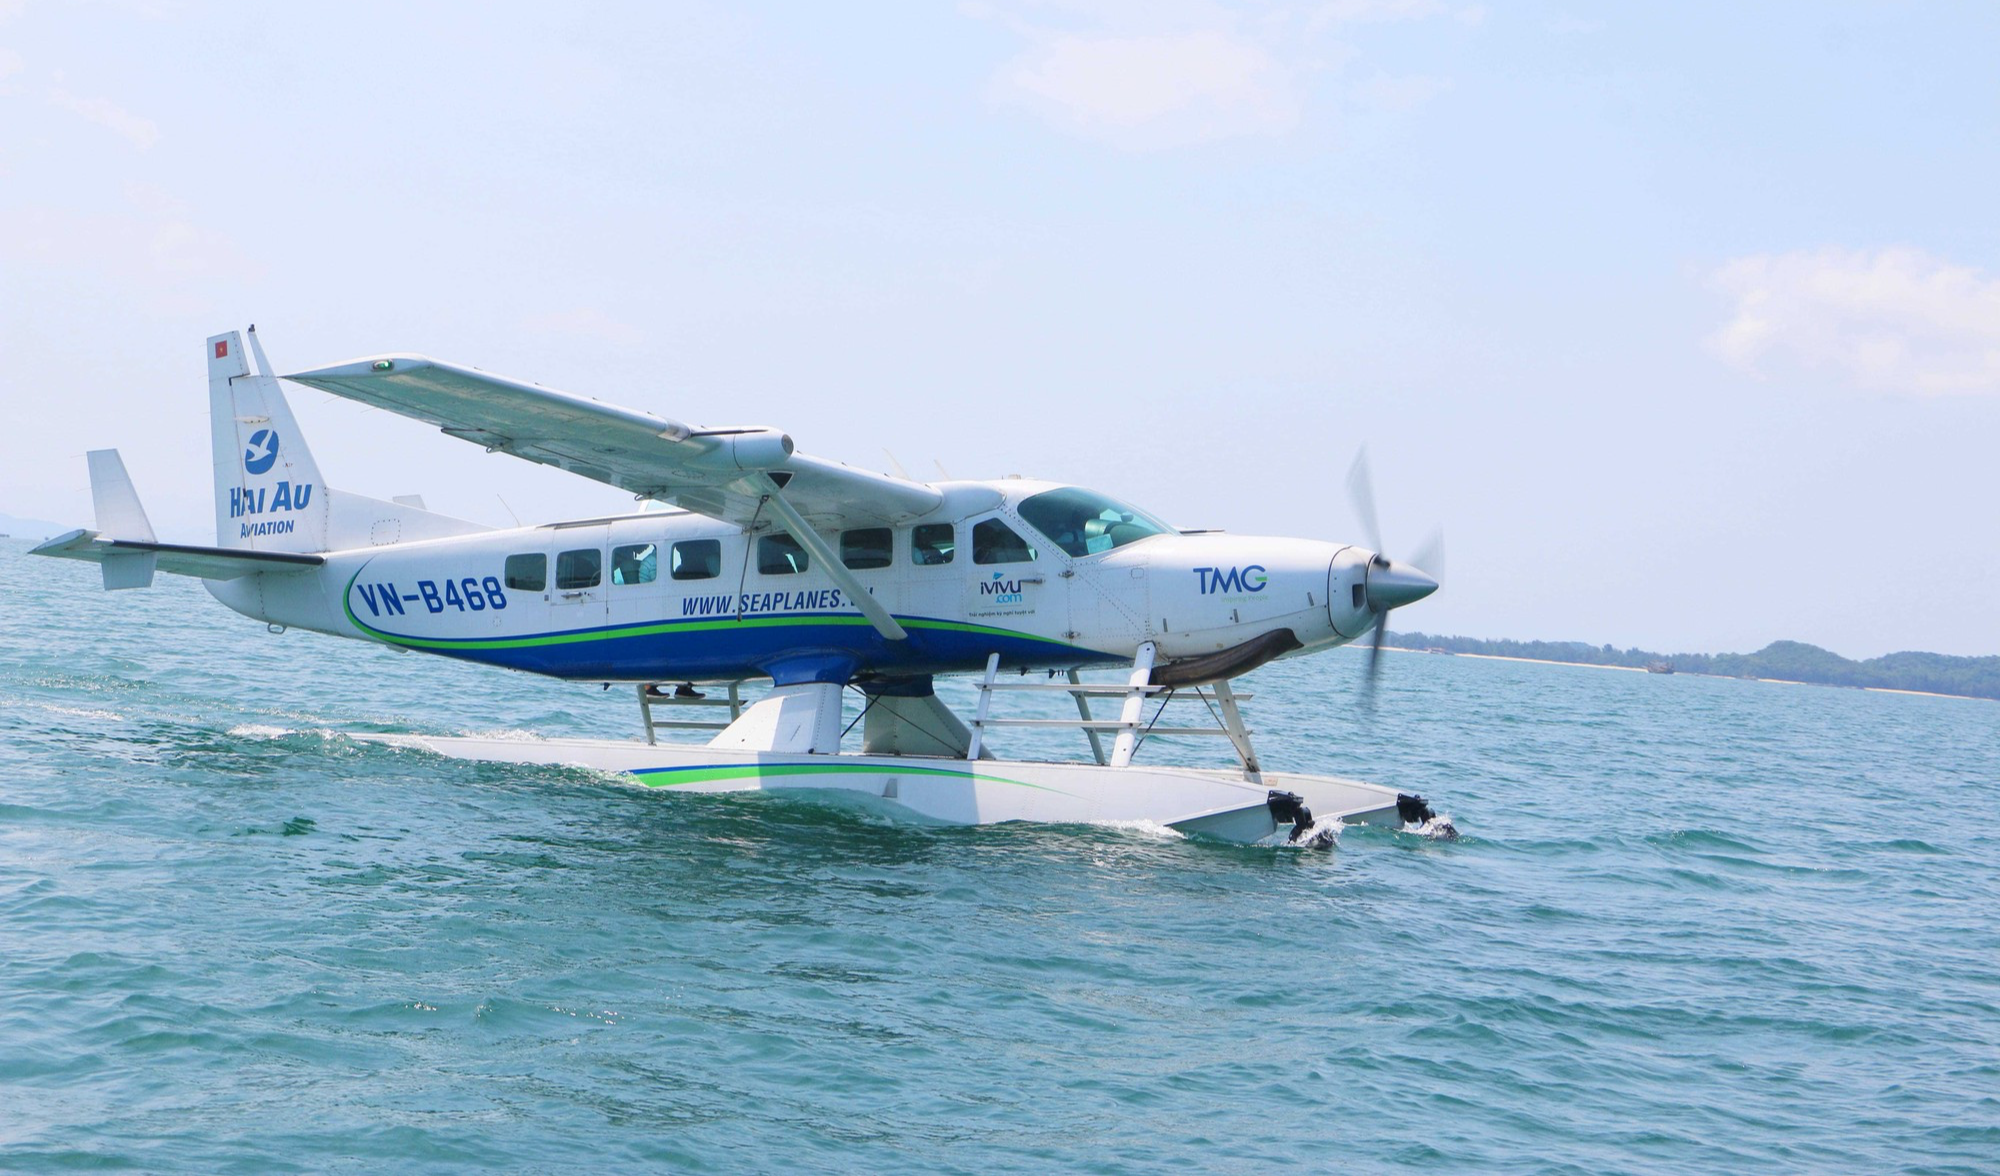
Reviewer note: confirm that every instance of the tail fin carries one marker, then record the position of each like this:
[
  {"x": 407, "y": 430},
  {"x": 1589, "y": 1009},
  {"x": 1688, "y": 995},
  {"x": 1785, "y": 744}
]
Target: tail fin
[
  {"x": 119, "y": 516},
  {"x": 268, "y": 492}
]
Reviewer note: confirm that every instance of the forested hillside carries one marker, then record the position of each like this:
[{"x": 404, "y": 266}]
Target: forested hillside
[{"x": 1791, "y": 661}]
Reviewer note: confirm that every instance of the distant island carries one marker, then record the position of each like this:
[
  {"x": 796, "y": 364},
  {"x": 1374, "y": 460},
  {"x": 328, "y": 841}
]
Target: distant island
[
  {"x": 20, "y": 528},
  {"x": 1787, "y": 661}
]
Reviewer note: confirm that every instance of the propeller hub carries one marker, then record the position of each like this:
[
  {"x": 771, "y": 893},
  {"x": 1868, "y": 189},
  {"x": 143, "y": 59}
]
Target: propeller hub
[{"x": 1393, "y": 585}]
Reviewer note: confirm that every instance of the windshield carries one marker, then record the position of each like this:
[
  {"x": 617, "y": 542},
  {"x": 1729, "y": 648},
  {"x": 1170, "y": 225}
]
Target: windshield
[{"x": 1084, "y": 522}]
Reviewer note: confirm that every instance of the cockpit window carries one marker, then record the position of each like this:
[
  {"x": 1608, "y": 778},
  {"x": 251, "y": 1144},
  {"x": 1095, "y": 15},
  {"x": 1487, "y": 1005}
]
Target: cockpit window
[{"x": 1084, "y": 522}]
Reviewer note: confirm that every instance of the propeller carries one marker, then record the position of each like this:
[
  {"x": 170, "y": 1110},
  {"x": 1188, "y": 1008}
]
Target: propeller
[{"x": 1391, "y": 584}]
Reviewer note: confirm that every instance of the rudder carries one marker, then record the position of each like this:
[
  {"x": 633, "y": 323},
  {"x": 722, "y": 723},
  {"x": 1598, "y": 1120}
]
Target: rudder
[
  {"x": 268, "y": 491},
  {"x": 269, "y": 495}
]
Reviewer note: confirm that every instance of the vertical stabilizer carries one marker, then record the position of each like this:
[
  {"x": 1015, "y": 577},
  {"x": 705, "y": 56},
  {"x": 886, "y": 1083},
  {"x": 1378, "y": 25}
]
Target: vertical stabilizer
[
  {"x": 268, "y": 491},
  {"x": 119, "y": 516},
  {"x": 269, "y": 495}
]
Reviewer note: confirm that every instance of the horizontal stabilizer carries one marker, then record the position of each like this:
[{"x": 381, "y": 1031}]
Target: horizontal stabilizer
[{"x": 128, "y": 563}]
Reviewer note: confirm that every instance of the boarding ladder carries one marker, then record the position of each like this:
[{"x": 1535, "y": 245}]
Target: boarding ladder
[
  {"x": 654, "y": 694},
  {"x": 1131, "y": 727}
]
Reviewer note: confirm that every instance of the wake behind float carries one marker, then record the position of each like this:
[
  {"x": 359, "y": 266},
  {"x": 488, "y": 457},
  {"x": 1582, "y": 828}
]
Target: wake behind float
[{"x": 780, "y": 567}]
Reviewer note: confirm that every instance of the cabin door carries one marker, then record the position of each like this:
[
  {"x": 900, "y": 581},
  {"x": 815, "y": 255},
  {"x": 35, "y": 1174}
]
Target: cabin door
[{"x": 1009, "y": 577}]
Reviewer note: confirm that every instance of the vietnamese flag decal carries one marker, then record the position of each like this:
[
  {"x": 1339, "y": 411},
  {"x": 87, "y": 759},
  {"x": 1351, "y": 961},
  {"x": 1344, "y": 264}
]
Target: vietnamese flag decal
[{"x": 222, "y": 349}]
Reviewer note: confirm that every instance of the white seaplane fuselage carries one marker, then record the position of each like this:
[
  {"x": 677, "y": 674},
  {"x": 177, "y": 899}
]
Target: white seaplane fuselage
[
  {"x": 677, "y": 597},
  {"x": 807, "y": 574}
]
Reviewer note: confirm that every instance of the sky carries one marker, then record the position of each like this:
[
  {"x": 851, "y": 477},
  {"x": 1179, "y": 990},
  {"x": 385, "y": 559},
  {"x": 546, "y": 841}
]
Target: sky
[{"x": 1682, "y": 322}]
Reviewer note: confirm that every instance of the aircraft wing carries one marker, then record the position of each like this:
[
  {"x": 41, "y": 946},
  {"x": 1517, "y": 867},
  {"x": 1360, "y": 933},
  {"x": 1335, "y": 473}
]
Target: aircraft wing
[{"x": 719, "y": 472}]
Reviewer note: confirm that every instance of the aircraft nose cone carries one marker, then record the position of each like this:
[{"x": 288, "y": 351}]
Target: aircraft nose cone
[{"x": 1393, "y": 585}]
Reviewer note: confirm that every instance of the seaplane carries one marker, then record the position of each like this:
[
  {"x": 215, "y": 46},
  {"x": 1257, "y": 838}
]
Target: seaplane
[{"x": 747, "y": 563}]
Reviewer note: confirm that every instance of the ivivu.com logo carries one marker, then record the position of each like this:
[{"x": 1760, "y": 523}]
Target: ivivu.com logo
[
  {"x": 1000, "y": 590},
  {"x": 262, "y": 453}
]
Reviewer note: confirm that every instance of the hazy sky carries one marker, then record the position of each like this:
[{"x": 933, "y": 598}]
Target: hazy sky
[{"x": 1683, "y": 321}]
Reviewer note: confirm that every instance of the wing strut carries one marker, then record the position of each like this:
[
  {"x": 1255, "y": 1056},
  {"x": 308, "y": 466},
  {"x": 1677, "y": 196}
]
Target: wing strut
[{"x": 857, "y": 592}]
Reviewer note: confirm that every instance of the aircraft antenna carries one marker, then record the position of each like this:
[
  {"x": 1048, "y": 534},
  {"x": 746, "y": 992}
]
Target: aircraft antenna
[{"x": 257, "y": 349}]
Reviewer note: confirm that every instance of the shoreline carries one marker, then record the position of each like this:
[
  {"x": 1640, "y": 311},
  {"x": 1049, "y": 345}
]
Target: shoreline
[{"x": 1542, "y": 661}]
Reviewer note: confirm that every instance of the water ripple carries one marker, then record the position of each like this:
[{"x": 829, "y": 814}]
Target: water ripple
[{"x": 1694, "y": 925}]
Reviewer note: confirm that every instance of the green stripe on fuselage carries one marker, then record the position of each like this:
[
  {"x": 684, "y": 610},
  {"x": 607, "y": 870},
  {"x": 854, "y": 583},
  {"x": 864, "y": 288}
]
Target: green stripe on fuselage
[{"x": 655, "y": 628}]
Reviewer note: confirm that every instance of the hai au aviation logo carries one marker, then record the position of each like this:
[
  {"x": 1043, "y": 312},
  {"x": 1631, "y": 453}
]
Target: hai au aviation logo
[{"x": 263, "y": 451}]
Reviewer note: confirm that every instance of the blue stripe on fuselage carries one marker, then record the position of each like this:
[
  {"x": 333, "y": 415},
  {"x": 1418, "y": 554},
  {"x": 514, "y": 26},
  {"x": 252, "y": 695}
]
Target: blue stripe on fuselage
[{"x": 732, "y": 652}]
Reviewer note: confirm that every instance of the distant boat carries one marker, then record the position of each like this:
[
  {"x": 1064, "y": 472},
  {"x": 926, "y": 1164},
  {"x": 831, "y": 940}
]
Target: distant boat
[
  {"x": 1438, "y": 649},
  {"x": 1660, "y": 667}
]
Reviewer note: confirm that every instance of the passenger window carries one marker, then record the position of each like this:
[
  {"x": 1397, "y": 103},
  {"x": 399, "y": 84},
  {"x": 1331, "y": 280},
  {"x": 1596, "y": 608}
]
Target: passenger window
[
  {"x": 994, "y": 542},
  {"x": 529, "y": 573},
  {"x": 697, "y": 559},
  {"x": 866, "y": 548},
  {"x": 780, "y": 555},
  {"x": 579, "y": 569},
  {"x": 637, "y": 564},
  {"x": 932, "y": 544}
]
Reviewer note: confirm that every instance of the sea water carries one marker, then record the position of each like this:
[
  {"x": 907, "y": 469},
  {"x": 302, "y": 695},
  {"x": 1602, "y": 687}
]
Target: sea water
[{"x": 1693, "y": 925}]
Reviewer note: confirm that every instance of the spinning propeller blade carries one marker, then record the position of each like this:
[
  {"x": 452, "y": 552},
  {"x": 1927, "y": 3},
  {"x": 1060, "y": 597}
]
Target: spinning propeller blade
[
  {"x": 1390, "y": 584},
  {"x": 1361, "y": 488},
  {"x": 1375, "y": 659},
  {"x": 1430, "y": 555}
]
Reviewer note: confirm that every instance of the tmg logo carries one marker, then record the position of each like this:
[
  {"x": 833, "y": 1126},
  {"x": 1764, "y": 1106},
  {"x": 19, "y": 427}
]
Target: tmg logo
[{"x": 1244, "y": 579}]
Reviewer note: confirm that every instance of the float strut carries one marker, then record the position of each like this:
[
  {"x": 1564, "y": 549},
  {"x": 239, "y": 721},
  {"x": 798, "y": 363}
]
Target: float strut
[{"x": 1135, "y": 706}]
